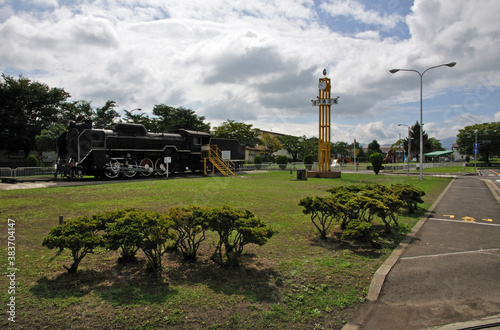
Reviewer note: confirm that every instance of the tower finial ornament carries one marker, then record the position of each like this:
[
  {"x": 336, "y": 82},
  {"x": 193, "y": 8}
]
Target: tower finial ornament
[{"x": 324, "y": 72}]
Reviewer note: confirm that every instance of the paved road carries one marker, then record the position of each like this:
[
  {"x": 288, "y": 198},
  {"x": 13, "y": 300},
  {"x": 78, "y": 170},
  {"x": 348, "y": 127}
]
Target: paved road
[{"x": 450, "y": 272}]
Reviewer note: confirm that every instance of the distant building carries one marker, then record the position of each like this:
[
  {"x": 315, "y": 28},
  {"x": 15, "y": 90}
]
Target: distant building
[
  {"x": 456, "y": 153},
  {"x": 251, "y": 152}
]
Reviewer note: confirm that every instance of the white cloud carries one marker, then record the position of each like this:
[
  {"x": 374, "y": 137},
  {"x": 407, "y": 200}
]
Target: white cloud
[
  {"x": 358, "y": 11},
  {"x": 259, "y": 61}
]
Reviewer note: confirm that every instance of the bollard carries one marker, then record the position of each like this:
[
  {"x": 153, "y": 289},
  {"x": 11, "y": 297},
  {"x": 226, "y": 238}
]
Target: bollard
[{"x": 61, "y": 219}]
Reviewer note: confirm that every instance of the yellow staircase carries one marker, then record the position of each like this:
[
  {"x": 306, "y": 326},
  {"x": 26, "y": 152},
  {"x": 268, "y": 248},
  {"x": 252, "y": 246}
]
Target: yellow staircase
[{"x": 214, "y": 155}]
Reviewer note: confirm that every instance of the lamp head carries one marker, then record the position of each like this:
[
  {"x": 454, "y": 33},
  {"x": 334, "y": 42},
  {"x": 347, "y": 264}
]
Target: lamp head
[
  {"x": 393, "y": 70},
  {"x": 451, "y": 64}
]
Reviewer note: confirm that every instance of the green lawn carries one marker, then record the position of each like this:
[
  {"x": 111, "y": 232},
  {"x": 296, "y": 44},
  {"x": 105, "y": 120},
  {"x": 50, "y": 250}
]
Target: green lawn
[{"x": 294, "y": 281}]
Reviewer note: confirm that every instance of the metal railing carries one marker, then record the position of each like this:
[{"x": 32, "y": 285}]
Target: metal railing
[
  {"x": 6, "y": 172},
  {"x": 27, "y": 171}
]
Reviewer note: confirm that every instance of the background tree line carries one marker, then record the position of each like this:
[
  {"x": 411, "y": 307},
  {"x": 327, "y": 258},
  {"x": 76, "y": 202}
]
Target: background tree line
[{"x": 34, "y": 115}]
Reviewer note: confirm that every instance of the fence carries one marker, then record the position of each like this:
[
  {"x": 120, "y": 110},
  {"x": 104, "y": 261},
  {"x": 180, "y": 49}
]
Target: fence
[{"x": 26, "y": 171}]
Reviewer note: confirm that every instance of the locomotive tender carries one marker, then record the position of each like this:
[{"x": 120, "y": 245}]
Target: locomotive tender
[{"x": 130, "y": 150}]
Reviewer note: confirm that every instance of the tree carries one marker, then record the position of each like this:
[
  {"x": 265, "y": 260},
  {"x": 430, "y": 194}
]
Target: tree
[
  {"x": 80, "y": 111},
  {"x": 80, "y": 235},
  {"x": 340, "y": 149},
  {"x": 308, "y": 146},
  {"x": 77, "y": 111},
  {"x": 236, "y": 228},
  {"x": 435, "y": 144},
  {"x": 27, "y": 107},
  {"x": 415, "y": 140},
  {"x": 47, "y": 140},
  {"x": 242, "y": 132},
  {"x": 373, "y": 146},
  {"x": 170, "y": 118},
  {"x": 377, "y": 161},
  {"x": 140, "y": 118},
  {"x": 488, "y": 137},
  {"x": 291, "y": 144},
  {"x": 270, "y": 144},
  {"x": 105, "y": 116}
]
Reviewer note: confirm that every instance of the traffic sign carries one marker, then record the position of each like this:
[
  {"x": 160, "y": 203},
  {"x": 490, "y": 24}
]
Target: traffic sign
[
  {"x": 475, "y": 151},
  {"x": 475, "y": 145}
]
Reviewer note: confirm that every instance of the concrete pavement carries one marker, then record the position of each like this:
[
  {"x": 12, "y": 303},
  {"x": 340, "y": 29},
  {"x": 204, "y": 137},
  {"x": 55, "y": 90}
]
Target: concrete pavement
[{"x": 446, "y": 273}]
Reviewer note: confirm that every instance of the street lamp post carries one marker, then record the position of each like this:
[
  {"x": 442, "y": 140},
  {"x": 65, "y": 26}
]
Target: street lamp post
[
  {"x": 475, "y": 155},
  {"x": 451, "y": 64},
  {"x": 409, "y": 147}
]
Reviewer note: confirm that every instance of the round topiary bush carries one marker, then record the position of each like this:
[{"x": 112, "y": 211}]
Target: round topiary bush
[
  {"x": 258, "y": 162},
  {"x": 31, "y": 161},
  {"x": 377, "y": 161},
  {"x": 282, "y": 160},
  {"x": 308, "y": 161}
]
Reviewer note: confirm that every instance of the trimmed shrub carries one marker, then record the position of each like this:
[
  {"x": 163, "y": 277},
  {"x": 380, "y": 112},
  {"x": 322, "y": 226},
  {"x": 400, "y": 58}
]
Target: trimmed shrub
[
  {"x": 309, "y": 161},
  {"x": 190, "y": 226},
  {"x": 410, "y": 195},
  {"x": 361, "y": 231},
  {"x": 156, "y": 237},
  {"x": 32, "y": 161},
  {"x": 122, "y": 232},
  {"x": 135, "y": 229},
  {"x": 377, "y": 161},
  {"x": 390, "y": 204},
  {"x": 236, "y": 228},
  {"x": 282, "y": 161},
  {"x": 258, "y": 162},
  {"x": 323, "y": 211},
  {"x": 79, "y": 235}
]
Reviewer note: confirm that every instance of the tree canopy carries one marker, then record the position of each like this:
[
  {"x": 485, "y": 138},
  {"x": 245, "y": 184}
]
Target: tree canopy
[
  {"x": 26, "y": 109},
  {"x": 170, "y": 118},
  {"x": 340, "y": 148},
  {"x": 242, "y": 132},
  {"x": 373, "y": 146},
  {"x": 488, "y": 137},
  {"x": 292, "y": 145},
  {"x": 415, "y": 140}
]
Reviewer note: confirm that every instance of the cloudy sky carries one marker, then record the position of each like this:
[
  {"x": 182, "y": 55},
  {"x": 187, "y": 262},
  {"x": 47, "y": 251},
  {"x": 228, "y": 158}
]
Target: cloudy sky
[{"x": 259, "y": 61}]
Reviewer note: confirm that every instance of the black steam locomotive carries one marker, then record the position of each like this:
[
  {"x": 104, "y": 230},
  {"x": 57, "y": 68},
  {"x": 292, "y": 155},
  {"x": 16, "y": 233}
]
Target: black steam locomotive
[{"x": 129, "y": 150}]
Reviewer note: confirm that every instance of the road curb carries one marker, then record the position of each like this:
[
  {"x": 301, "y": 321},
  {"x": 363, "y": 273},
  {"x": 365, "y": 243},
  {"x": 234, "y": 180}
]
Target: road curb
[
  {"x": 381, "y": 273},
  {"x": 494, "y": 189}
]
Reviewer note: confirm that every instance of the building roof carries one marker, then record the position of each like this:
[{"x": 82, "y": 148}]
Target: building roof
[{"x": 438, "y": 153}]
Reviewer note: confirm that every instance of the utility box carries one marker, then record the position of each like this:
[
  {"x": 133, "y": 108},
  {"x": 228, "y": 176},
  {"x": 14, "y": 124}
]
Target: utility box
[{"x": 301, "y": 174}]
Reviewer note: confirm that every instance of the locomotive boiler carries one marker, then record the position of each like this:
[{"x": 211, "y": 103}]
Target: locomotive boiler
[{"x": 129, "y": 150}]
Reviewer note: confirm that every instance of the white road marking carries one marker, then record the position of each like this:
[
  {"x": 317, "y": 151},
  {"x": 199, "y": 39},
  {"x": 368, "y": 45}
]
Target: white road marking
[
  {"x": 472, "y": 222},
  {"x": 451, "y": 253}
]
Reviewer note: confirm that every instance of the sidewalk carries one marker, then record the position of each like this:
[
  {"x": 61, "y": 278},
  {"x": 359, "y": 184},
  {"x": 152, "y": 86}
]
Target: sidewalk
[{"x": 446, "y": 273}]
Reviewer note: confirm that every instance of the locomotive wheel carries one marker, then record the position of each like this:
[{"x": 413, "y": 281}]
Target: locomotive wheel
[
  {"x": 160, "y": 167},
  {"x": 79, "y": 172},
  {"x": 148, "y": 166},
  {"x": 113, "y": 170},
  {"x": 132, "y": 165}
]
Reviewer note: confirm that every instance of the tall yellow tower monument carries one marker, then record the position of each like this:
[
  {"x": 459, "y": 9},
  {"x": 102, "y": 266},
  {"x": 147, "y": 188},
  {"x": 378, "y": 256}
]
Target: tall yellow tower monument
[{"x": 324, "y": 102}]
